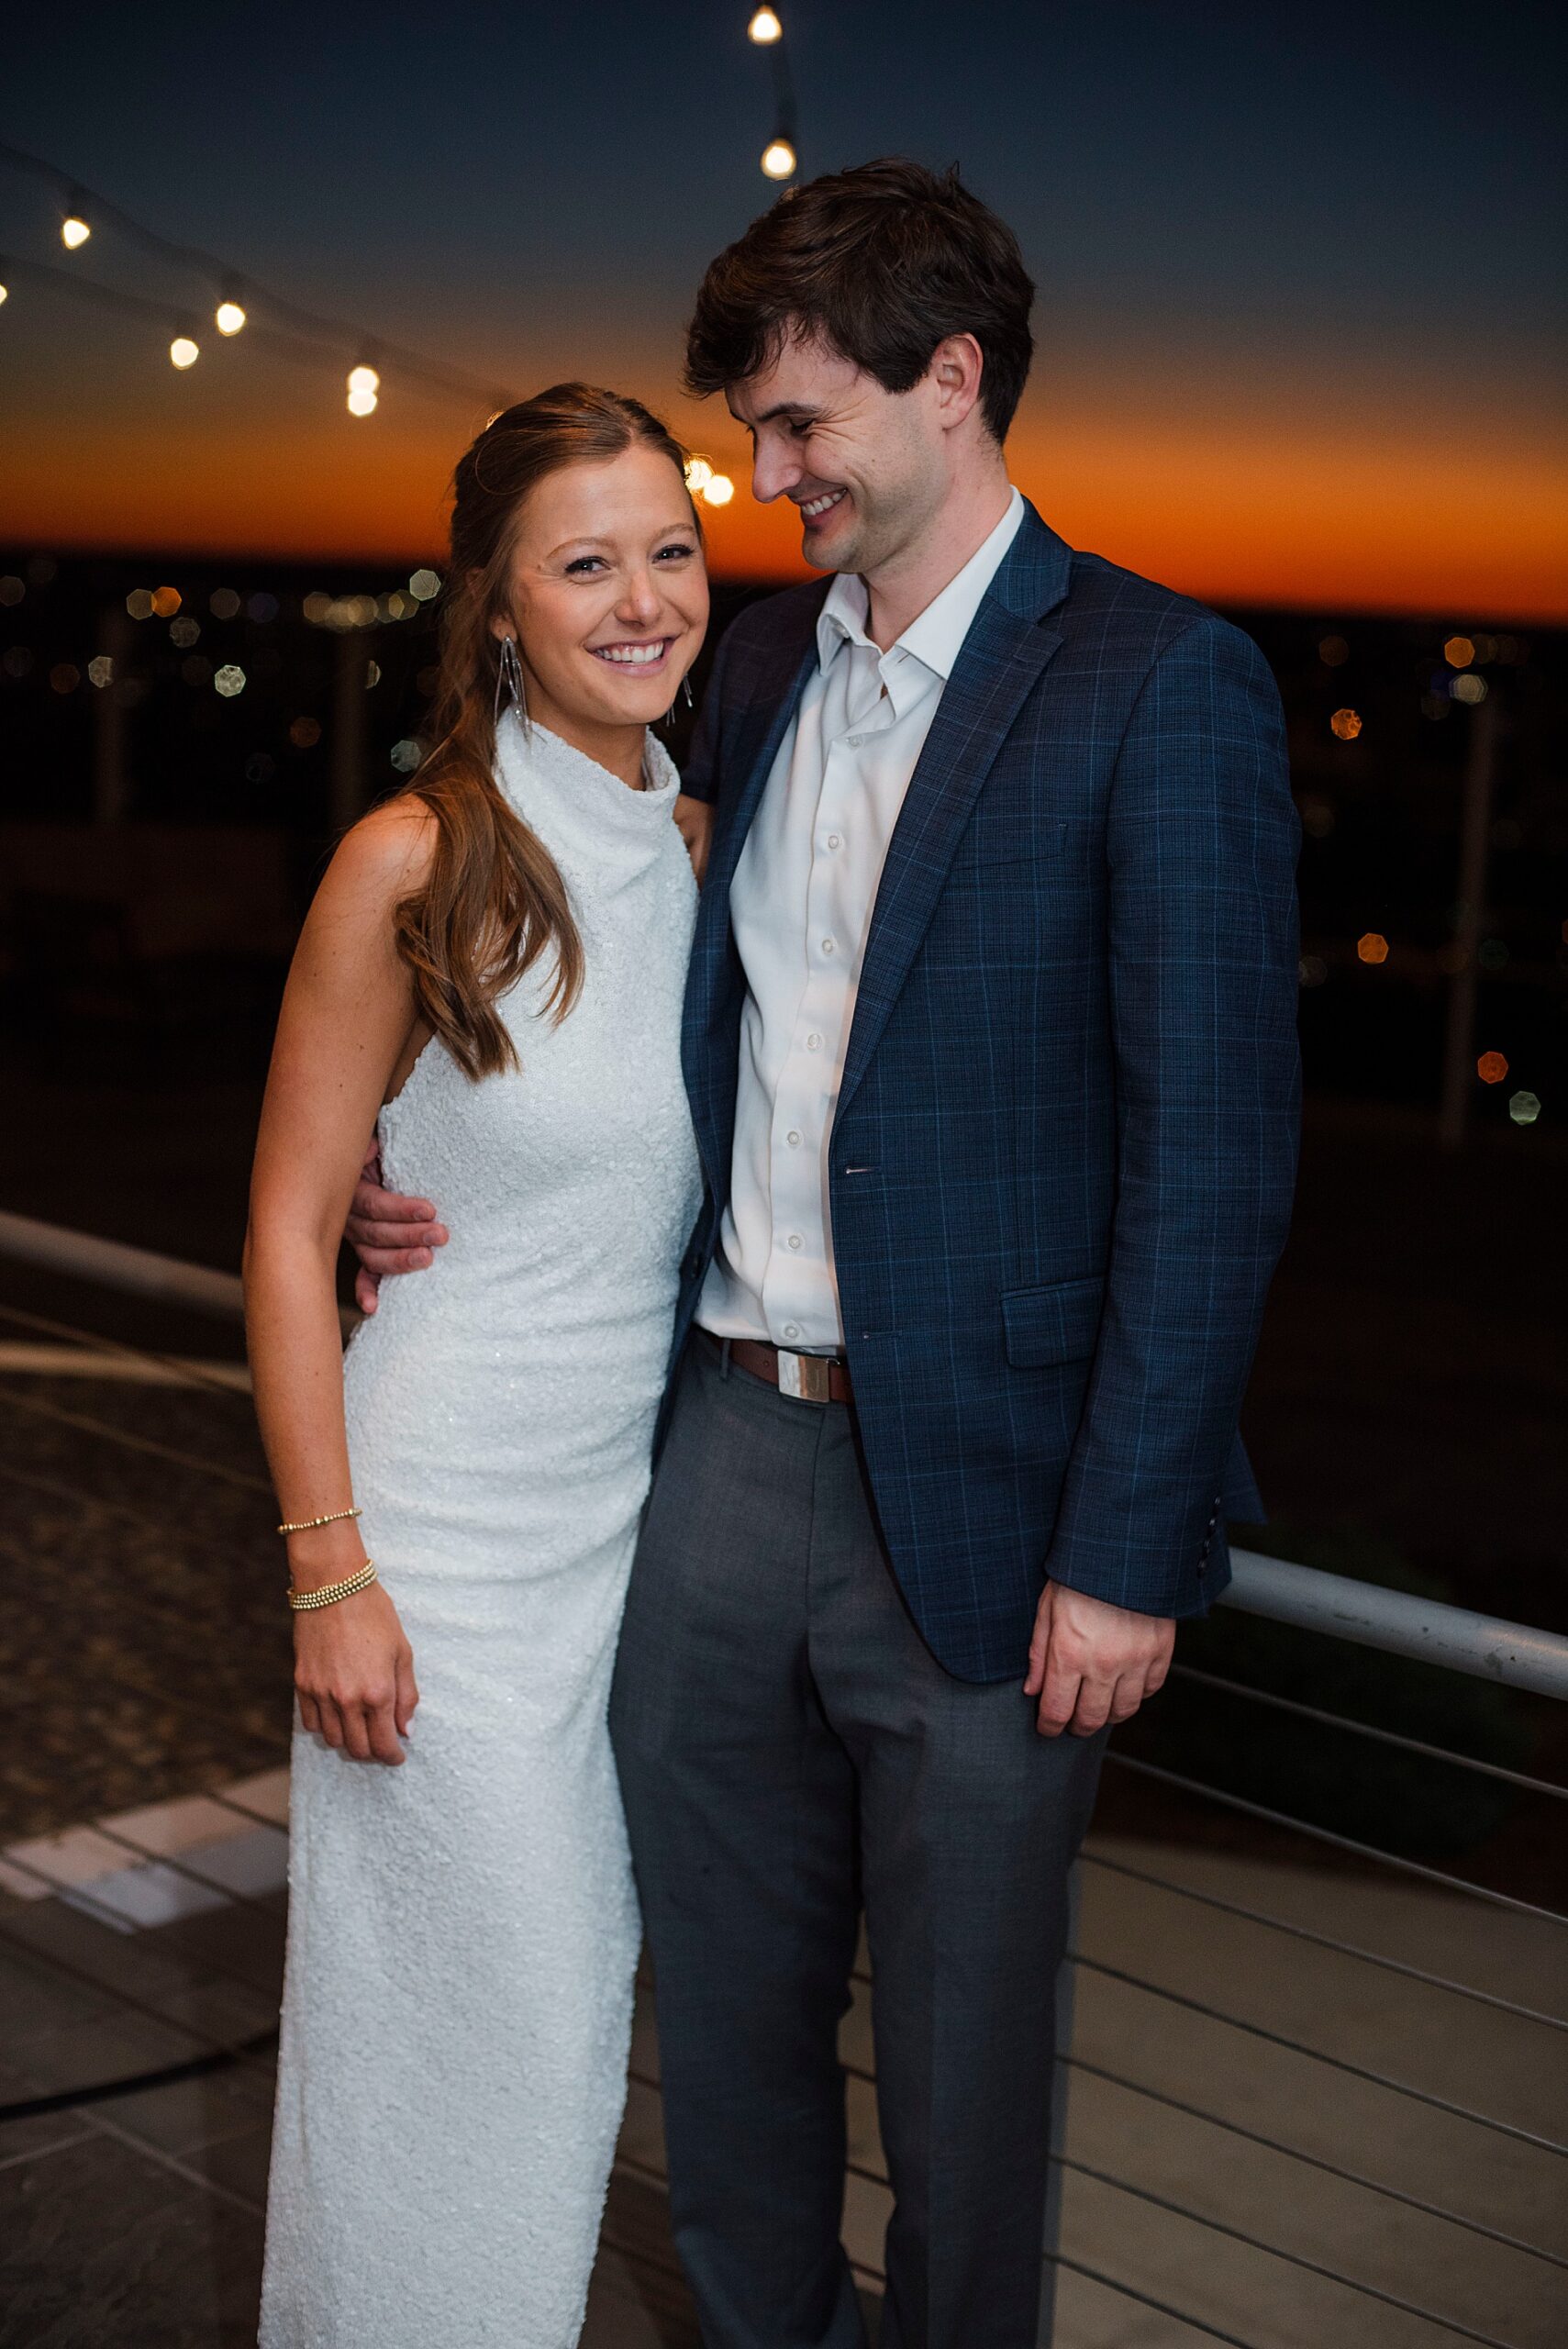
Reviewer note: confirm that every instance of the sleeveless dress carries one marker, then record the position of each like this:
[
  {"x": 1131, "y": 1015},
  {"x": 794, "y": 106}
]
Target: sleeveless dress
[{"x": 463, "y": 1931}]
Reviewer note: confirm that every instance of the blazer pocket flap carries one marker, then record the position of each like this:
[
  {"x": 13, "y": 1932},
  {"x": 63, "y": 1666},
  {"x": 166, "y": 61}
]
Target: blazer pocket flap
[{"x": 1059, "y": 1324}]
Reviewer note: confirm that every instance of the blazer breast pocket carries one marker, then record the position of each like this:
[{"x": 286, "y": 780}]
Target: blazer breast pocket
[
  {"x": 1052, "y": 1326},
  {"x": 1012, "y": 856}
]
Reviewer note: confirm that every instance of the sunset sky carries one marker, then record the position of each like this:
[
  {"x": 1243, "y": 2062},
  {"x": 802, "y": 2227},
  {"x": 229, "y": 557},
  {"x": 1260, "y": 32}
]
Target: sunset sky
[{"x": 1300, "y": 321}]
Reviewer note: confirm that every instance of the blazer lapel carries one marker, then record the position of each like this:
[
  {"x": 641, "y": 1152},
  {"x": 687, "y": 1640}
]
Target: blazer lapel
[
  {"x": 1003, "y": 656},
  {"x": 779, "y": 673}
]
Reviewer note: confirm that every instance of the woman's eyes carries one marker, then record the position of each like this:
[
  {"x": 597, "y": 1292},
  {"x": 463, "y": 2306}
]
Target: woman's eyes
[{"x": 582, "y": 565}]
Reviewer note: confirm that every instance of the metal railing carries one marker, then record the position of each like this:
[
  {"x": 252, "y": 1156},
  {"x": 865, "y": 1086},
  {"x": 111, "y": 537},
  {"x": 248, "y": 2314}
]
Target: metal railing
[{"x": 1364, "y": 1615}]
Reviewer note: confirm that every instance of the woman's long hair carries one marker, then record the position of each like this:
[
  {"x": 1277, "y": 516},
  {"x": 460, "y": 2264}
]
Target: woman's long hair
[{"x": 494, "y": 902}]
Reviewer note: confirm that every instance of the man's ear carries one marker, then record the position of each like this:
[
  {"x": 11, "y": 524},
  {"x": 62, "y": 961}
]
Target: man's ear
[{"x": 957, "y": 366}]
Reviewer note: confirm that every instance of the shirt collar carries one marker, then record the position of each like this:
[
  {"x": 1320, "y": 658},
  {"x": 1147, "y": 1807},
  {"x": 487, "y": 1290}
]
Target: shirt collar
[{"x": 936, "y": 637}]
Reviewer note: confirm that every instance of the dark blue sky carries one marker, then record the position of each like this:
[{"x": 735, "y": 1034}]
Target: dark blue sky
[{"x": 1341, "y": 218}]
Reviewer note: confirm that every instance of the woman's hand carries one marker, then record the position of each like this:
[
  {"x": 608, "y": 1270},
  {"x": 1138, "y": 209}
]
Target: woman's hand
[
  {"x": 693, "y": 821},
  {"x": 353, "y": 1673}
]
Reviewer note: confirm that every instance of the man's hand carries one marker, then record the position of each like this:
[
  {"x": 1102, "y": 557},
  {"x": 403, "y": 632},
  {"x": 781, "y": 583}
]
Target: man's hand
[
  {"x": 387, "y": 1232},
  {"x": 1091, "y": 1663}
]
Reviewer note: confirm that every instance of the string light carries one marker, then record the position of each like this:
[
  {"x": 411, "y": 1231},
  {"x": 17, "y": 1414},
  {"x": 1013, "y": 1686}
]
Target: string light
[
  {"x": 297, "y": 333},
  {"x": 5, "y": 293},
  {"x": 780, "y": 158},
  {"x": 364, "y": 385}
]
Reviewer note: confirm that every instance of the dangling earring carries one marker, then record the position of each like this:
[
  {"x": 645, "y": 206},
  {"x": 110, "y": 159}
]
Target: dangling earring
[
  {"x": 509, "y": 681},
  {"x": 687, "y": 689}
]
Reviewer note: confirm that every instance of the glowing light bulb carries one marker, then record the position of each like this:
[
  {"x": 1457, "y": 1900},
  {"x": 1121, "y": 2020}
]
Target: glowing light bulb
[
  {"x": 183, "y": 351},
  {"x": 719, "y": 491},
  {"x": 778, "y": 160},
  {"x": 764, "y": 29},
  {"x": 229, "y": 317},
  {"x": 362, "y": 401},
  {"x": 74, "y": 232},
  {"x": 363, "y": 379}
]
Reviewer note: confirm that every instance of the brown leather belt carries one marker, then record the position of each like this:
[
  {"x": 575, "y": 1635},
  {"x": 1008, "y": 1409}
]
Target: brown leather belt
[{"x": 807, "y": 1378}]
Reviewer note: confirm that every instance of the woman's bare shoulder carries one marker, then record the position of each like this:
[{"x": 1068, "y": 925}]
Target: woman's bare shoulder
[{"x": 385, "y": 856}]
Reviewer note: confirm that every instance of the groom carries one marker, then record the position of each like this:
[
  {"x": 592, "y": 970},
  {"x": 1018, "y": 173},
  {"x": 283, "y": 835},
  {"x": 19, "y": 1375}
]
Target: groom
[{"x": 990, "y": 1043}]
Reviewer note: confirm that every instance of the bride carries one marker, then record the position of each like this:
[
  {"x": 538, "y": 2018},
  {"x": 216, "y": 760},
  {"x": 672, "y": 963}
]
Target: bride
[{"x": 492, "y": 975}]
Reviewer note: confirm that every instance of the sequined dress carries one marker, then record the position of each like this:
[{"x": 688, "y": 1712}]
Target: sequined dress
[{"x": 462, "y": 1930}]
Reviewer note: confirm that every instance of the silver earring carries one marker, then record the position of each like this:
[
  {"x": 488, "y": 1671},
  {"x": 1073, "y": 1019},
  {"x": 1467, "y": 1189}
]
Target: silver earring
[
  {"x": 687, "y": 689},
  {"x": 509, "y": 681}
]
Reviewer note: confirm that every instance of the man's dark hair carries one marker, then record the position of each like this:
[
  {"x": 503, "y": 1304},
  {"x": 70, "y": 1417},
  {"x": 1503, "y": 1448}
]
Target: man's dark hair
[{"x": 882, "y": 264}]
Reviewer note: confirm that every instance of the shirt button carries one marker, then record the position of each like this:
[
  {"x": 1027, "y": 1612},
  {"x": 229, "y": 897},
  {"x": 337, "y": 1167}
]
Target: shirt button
[
  {"x": 855, "y": 741},
  {"x": 833, "y": 841},
  {"x": 827, "y": 946},
  {"x": 814, "y": 1043},
  {"x": 794, "y": 1239},
  {"x": 793, "y": 1139},
  {"x": 792, "y": 1329}
]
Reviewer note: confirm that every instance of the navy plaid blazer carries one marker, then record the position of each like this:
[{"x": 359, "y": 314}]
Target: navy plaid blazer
[{"x": 1061, "y": 1166}]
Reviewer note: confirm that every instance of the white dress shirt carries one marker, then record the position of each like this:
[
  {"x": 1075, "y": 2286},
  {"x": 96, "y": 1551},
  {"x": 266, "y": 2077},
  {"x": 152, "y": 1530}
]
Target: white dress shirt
[{"x": 801, "y": 905}]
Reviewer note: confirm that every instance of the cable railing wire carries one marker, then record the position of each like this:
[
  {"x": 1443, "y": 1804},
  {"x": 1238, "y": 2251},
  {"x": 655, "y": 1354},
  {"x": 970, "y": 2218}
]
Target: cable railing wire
[
  {"x": 1368, "y": 1729},
  {"x": 181, "y": 1373},
  {"x": 88, "y": 1425},
  {"x": 1449, "y": 1882},
  {"x": 1146, "y": 2300},
  {"x": 1319, "y": 2055},
  {"x": 1314, "y": 2161},
  {"x": 1278, "y": 2251},
  {"x": 1095, "y": 1858}
]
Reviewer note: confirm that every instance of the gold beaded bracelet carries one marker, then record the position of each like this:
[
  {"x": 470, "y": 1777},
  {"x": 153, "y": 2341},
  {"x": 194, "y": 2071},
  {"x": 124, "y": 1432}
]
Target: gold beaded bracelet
[
  {"x": 310, "y": 1524},
  {"x": 302, "y": 1601}
]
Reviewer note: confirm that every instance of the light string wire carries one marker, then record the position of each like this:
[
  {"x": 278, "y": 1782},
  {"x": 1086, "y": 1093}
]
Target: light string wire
[{"x": 310, "y": 334}]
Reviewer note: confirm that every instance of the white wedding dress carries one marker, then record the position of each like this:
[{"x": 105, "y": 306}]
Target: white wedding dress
[{"x": 462, "y": 1930}]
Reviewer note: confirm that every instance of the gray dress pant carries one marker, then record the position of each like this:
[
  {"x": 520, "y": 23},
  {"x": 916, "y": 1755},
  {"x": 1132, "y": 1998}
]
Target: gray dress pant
[{"x": 789, "y": 1748}]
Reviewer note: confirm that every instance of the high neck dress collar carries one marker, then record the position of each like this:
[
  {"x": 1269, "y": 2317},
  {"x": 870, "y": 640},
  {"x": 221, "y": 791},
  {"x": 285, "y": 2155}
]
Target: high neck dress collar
[{"x": 588, "y": 817}]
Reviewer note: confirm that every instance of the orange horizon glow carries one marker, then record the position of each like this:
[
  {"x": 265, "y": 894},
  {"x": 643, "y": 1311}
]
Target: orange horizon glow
[{"x": 1246, "y": 513}]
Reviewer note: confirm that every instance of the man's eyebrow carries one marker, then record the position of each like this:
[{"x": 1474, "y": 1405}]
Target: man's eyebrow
[{"x": 789, "y": 407}]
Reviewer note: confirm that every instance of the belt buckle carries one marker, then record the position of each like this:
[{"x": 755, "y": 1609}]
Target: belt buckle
[{"x": 804, "y": 1377}]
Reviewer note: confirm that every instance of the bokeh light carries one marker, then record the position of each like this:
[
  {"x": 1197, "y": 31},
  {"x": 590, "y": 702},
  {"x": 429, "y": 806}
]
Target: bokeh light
[
  {"x": 1373, "y": 947},
  {"x": 229, "y": 317},
  {"x": 184, "y": 351},
  {"x": 165, "y": 602},
  {"x": 764, "y": 29},
  {"x": 1469, "y": 687},
  {"x": 1459, "y": 651},
  {"x": 223, "y": 603},
  {"x": 1523, "y": 1108},
  {"x": 719, "y": 491},
  {"x": 425, "y": 585},
  {"x": 74, "y": 232},
  {"x": 1333, "y": 651},
  {"x": 229, "y": 679},
  {"x": 1491, "y": 1068},
  {"x": 305, "y": 733},
  {"x": 778, "y": 160},
  {"x": 1346, "y": 724}
]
